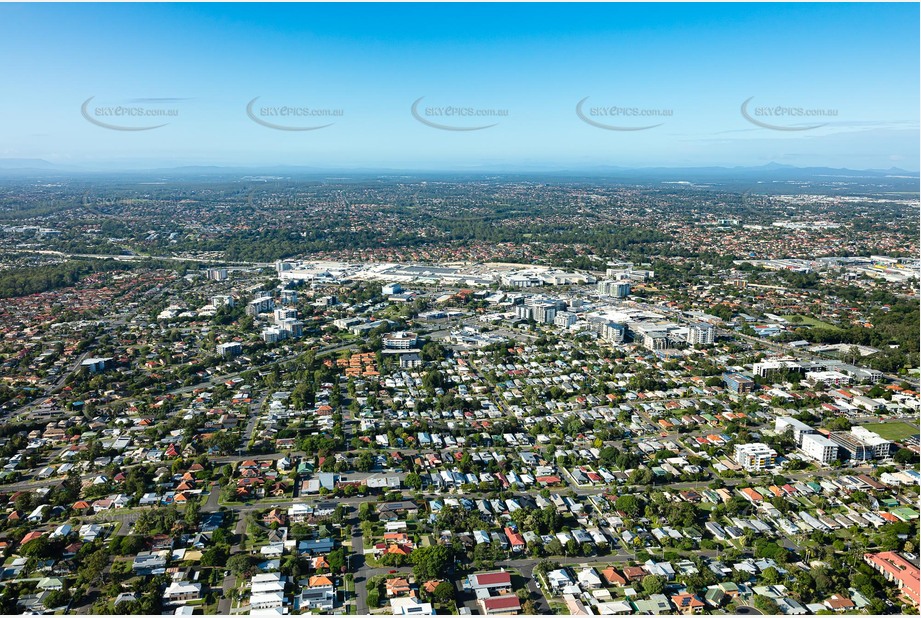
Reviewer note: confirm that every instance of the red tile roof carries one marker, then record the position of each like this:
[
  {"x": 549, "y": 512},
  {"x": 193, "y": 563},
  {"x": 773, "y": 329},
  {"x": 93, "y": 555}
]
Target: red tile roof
[
  {"x": 493, "y": 579},
  {"x": 509, "y": 601}
]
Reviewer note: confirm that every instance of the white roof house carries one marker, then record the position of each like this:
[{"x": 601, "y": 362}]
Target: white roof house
[
  {"x": 588, "y": 578},
  {"x": 267, "y": 600}
]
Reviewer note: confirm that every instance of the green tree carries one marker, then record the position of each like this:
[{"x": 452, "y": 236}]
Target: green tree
[
  {"x": 431, "y": 562},
  {"x": 56, "y": 598},
  {"x": 653, "y": 584},
  {"x": 91, "y": 567},
  {"x": 240, "y": 564},
  {"x": 215, "y": 556},
  {"x": 444, "y": 592},
  {"x": 336, "y": 560},
  {"x": 373, "y": 598},
  {"x": 631, "y": 505},
  {"x": 770, "y": 576},
  {"x": 192, "y": 509},
  {"x": 767, "y": 605}
]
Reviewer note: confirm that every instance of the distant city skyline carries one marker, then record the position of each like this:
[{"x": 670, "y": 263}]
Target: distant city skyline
[{"x": 461, "y": 87}]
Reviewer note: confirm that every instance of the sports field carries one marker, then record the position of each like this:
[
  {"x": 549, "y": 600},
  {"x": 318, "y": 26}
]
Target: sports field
[
  {"x": 894, "y": 431},
  {"x": 810, "y": 322}
]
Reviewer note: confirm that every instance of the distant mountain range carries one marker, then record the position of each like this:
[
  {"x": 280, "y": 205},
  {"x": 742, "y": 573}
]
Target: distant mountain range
[
  {"x": 770, "y": 172},
  {"x": 27, "y": 164}
]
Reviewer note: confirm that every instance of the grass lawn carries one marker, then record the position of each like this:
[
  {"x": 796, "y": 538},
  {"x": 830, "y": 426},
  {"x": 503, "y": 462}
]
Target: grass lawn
[
  {"x": 810, "y": 321},
  {"x": 894, "y": 431}
]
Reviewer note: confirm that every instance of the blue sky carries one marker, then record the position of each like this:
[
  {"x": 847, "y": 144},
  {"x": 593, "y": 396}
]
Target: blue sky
[{"x": 692, "y": 64}]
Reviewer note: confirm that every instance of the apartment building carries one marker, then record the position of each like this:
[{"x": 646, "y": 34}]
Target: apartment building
[
  {"x": 401, "y": 340},
  {"x": 738, "y": 383},
  {"x": 818, "y": 447},
  {"x": 216, "y": 274},
  {"x": 617, "y": 289},
  {"x": 565, "y": 319},
  {"x": 259, "y": 305},
  {"x": 544, "y": 313},
  {"x": 895, "y": 568},
  {"x": 755, "y": 456},
  {"x": 229, "y": 350},
  {"x": 701, "y": 334},
  {"x": 797, "y": 428}
]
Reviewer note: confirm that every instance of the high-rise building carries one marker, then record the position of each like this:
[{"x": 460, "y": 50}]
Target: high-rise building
[
  {"x": 755, "y": 456},
  {"x": 819, "y": 448},
  {"x": 289, "y": 297},
  {"x": 701, "y": 334},
  {"x": 738, "y": 383},
  {"x": 273, "y": 334},
  {"x": 231, "y": 349},
  {"x": 402, "y": 340},
  {"x": 613, "y": 332},
  {"x": 523, "y": 312},
  {"x": 260, "y": 305},
  {"x": 656, "y": 340},
  {"x": 617, "y": 289},
  {"x": 544, "y": 313},
  {"x": 861, "y": 444},
  {"x": 293, "y": 327},
  {"x": 565, "y": 319},
  {"x": 283, "y": 313},
  {"x": 216, "y": 274},
  {"x": 798, "y": 428}
]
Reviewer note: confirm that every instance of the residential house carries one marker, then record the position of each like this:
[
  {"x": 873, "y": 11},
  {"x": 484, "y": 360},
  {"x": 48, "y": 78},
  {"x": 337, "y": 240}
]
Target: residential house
[
  {"x": 50, "y": 583},
  {"x": 688, "y": 603},
  {"x": 559, "y": 579},
  {"x": 181, "y": 592},
  {"x": 408, "y": 606},
  {"x": 503, "y": 604},
  {"x": 318, "y": 593},
  {"x": 838, "y": 603},
  {"x": 397, "y": 586},
  {"x": 149, "y": 563},
  {"x": 613, "y": 578},
  {"x": 314, "y": 547},
  {"x": 656, "y": 604},
  {"x": 492, "y": 582},
  {"x": 588, "y": 578}
]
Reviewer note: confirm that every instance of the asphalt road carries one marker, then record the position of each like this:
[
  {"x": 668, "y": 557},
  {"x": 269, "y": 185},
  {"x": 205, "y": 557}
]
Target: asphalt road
[
  {"x": 212, "y": 503},
  {"x": 360, "y": 568},
  {"x": 226, "y": 602}
]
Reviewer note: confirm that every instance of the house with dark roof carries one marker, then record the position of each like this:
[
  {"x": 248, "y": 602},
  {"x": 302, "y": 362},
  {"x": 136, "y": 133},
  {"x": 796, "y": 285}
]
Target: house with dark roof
[
  {"x": 492, "y": 581},
  {"x": 503, "y": 604}
]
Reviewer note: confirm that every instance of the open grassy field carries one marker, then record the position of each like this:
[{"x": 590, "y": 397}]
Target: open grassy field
[
  {"x": 894, "y": 431},
  {"x": 810, "y": 322}
]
